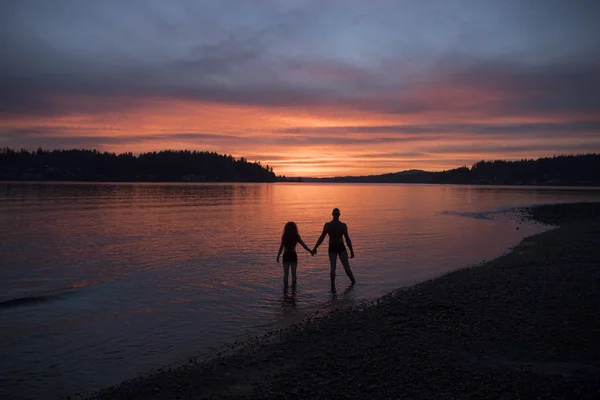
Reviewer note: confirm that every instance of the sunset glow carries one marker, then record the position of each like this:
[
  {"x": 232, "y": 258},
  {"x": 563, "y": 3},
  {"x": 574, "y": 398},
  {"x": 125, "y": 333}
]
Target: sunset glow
[{"x": 309, "y": 89}]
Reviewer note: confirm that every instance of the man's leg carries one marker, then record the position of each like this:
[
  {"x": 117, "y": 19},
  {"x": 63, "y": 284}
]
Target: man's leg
[
  {"x": 294, "y": 265},
  {"x": 346, "y": 264},
  {"x": 332, "y": 262},
  {"x": 286, "y": 272}
]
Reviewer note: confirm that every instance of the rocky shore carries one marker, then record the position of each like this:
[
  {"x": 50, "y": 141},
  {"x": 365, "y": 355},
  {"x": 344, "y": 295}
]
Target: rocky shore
[{"x": 523, "y": 326}]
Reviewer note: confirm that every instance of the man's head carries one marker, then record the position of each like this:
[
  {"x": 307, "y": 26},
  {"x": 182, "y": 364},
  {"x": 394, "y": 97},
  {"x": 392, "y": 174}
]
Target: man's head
[{"x": 336, "y": 213}]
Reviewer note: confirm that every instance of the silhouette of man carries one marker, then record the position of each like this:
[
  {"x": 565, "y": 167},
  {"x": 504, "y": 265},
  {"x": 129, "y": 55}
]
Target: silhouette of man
[{"x": 337, "y": 231}]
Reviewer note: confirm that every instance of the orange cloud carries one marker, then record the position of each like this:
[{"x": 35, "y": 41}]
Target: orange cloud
[{"x": 450, "y": 125}]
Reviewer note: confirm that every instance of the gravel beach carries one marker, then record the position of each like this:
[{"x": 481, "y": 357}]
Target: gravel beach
[{"x": 526, "y": 326}]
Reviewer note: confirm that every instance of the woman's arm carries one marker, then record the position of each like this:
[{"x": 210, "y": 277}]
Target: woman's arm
[
  {"x": 304, "y": 245},
  {"x": 280, "y": 250}
]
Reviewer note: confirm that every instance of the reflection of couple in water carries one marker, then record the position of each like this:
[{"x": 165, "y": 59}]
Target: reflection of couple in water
[{"x": 336, "y": 230}]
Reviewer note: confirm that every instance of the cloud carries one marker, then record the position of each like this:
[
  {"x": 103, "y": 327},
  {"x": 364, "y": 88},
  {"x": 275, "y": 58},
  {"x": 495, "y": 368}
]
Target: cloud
[
  {"x": 136, "y": 50},
  {"x": 426, "y": 75},
  {"x": 436, "y": 131}
]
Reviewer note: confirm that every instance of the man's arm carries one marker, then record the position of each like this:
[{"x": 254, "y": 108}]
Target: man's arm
[
  {"x": 348, "y": 241},
  {"x": 321, "y": 238}
]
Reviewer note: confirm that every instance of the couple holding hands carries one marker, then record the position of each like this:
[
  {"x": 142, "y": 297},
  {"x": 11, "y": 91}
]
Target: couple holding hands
[{"x": 336, "y": 230}]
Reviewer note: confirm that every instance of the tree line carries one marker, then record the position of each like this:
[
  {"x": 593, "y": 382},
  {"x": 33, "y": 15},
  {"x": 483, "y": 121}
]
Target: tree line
[
  {"x": 203, "y": 166},
  {"x": 93, "y": 165},
  {"x": 571, "y": 170}
]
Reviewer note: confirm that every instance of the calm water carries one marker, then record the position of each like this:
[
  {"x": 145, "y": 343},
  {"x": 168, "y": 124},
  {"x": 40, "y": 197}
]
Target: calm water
[{"x": 102, "y": 282}]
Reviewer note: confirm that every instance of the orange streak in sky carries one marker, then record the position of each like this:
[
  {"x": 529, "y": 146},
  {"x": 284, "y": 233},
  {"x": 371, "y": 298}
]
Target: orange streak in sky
[{"x": 256, "y": 133}]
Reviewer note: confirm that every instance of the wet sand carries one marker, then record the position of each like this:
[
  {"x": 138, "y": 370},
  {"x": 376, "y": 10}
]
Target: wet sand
[{"x": 526, "y": 325}]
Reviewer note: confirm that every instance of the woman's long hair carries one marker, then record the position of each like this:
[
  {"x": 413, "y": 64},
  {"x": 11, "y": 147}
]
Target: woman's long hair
[{"x": 290, "y": 235}]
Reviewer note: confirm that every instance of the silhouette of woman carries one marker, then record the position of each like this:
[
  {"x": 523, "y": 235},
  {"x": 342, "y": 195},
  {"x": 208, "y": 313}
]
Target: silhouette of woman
[{"x": 289, "y": 239}]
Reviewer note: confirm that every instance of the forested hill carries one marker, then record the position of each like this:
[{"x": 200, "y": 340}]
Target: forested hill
[
  {"x": 574, "y": 170},
  {"x": 92, "y": 165}
]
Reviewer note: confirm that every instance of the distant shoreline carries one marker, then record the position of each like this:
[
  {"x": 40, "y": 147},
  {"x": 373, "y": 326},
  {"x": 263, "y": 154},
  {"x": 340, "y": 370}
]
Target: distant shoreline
[
  {"x": 521, "y": 326},
  {"x": 50, "y": 181},
  {"x": 202, "y": 166}
]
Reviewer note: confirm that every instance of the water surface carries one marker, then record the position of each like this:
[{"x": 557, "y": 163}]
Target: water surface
[{"x": 102, "y": 282}]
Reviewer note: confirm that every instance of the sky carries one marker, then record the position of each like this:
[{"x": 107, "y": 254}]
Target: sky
[{"x": 311, "y": 88}]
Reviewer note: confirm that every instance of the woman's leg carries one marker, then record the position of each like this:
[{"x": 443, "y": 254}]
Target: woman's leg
[
  {"x": 294, "y": 264},
  {"x": 286, "y": 271}
]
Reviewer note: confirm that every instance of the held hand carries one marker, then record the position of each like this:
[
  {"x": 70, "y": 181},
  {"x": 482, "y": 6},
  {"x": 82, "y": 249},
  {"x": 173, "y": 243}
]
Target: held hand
[
  {"x": 314, "y": 251},
  {"x": 351, "y": 253}
]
